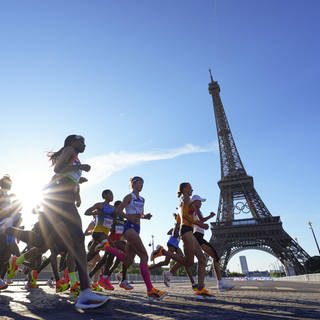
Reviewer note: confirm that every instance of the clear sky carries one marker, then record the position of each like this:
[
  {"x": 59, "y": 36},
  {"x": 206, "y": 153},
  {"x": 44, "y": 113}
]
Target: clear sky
[{"x": 132, "y": 78}]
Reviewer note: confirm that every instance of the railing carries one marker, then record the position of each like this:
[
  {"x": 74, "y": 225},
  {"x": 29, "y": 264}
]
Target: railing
[
  {"x": 314, "y": 277},
  {"x": 242, "y": 222}
]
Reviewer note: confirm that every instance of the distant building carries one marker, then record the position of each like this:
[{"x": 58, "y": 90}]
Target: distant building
[{"x": 244, "y": 265}]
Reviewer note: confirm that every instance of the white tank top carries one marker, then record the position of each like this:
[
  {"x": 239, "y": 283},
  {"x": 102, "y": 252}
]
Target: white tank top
[
  {"x": 136, "y": 206},
  {"x": 196, "y": 228}
]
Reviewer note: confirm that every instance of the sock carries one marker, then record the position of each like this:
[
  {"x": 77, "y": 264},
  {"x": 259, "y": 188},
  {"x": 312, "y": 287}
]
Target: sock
[
  {"x": 66, "y": 274},
  {"x": 144, "y": 270},
  {"x": 73, "y": 278},
  {"x": 117, "y": 253},
  {"x": 20, "y": 260},
  {"x": 34, "y": 277}
]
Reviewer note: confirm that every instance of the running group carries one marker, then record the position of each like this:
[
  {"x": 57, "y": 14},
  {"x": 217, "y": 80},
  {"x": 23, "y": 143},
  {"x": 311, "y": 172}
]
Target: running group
[{"x": 115, "y": 232}]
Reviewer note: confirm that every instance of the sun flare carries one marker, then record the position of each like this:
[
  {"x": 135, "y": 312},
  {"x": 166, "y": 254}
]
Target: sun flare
[{"x": 28, "y": 189}]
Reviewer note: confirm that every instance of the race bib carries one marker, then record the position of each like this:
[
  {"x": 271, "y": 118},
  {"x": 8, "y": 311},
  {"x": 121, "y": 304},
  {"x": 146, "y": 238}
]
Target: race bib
[
  {"x": 107, "y": 222},
  {"x": 119, "y": 229}
]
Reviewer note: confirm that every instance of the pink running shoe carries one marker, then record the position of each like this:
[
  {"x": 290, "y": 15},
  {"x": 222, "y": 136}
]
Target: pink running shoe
[{"x": 104, "y": 282}]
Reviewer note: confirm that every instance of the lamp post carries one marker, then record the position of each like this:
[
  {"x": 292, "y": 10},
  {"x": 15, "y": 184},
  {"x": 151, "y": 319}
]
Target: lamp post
[
  {"x": 314, "y": 236},
  {"x": 151, "y": 244}
]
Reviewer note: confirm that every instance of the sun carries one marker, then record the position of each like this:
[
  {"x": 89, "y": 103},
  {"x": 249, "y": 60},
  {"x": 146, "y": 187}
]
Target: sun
[{"x": 28, "y": 189}]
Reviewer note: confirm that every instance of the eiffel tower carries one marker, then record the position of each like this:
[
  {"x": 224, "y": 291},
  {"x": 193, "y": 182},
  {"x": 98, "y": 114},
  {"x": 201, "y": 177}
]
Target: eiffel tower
[{"x": 261, "y": 231}]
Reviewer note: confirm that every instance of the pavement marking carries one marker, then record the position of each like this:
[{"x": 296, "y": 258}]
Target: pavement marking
[
  {"x": 249, "y": 287},
  {"x": 285, "y": 288}
]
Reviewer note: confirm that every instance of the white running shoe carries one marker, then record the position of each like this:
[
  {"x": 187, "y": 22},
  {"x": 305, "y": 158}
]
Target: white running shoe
[
  {"x": 124, "y": 284},
  {"x": 90, "y": 300},
  {"x": 166, "y": 278},
  {"x": 224, "y": 286}
]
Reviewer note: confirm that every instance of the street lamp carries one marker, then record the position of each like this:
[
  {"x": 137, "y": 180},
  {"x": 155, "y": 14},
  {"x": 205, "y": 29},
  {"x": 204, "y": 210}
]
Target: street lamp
[
  {"x": 314, "y": 236},
  {"x": 151, "y": 244}
]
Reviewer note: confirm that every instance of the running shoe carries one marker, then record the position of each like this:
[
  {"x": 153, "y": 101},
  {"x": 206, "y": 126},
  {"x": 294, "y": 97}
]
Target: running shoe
[
  {"x": 3, "y": 284},
  {"x": 124, "y": 284},
  {"x": 155, "y": 293},
  {"x": 157, "y": 253},
  {"x": 62, "y": 285},
  {"x": 50, "y": 283},
  {"x": 29, "y": 285},
  {"x": 166, "y": 277},
  {"x": 12, "y": 267},
  {"x": 75, "y": 290},
  {"x": 203, "y": 293},
  {"x": 224, "y": 286},
  {"x": 95, "y": 287},
  {"x": 90, "y": 300},
  {"x": 105, "y": 283}
]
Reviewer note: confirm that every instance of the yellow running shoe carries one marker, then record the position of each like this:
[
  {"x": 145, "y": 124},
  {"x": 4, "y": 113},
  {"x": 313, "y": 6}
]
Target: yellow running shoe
[
  {"x": 12, "y": 267},
  {"x": 95, "y": 287},
  {"x": 75, "y": 290},
  {"x": 155, "y": 293},
  {"x": 62, "y": 285},
  {"x": 203, "y": 294}
]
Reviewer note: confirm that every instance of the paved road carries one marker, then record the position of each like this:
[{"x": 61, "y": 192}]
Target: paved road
[{"x": 248, "y": 300}]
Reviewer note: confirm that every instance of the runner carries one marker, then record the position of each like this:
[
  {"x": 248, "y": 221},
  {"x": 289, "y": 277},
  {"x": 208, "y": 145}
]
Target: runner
[
  {"x": 116, "y": 235},
  {"x": 133, "y": 204},
  {"x": 96, "y": 259},
  {"x": 60, "y": 206},
  {"x": 38, "y": 242},
  {"x": 9, "y": 216},
  {"x": 173, "y": 246},
  {"x": 191, "y": 246},
  {"x": 198, "y": 232},
  {"x": 103, "y": 211}
]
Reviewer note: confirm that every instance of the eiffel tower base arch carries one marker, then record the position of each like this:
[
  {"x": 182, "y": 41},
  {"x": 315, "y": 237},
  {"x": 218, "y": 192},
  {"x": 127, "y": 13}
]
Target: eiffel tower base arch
[{"x": 265, "y": 234}]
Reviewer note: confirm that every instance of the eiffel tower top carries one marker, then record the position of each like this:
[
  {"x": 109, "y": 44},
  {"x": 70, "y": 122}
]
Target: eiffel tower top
[
  {"x": 235, "y": 185},
  {"x": 230, "y": 161}
]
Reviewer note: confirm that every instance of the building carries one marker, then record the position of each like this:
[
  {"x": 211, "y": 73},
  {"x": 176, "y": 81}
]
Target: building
[{"x": 244, "y": 265}]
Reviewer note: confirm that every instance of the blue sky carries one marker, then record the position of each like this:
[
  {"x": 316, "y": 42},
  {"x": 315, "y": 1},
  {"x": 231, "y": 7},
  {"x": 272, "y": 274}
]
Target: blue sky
[{"x": 132, "y": 78}]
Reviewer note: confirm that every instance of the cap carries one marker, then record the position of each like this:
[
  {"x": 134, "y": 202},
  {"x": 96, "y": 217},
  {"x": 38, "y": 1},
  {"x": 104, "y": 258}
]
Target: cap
[{"x": 196, "y": 197}]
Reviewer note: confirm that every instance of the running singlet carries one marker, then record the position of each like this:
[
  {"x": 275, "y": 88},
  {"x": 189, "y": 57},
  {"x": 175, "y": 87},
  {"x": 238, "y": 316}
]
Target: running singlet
[
  {"x": 74, "y": 175},
  {"x": 104, "y": 219},
  {"x": 187, "y": 214},
  {"x": 196, "y": 228},
  {"x": 136, "y": 206}
]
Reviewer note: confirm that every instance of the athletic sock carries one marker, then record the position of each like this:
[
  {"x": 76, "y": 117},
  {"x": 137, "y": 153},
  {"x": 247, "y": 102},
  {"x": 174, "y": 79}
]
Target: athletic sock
[
  {"x": 66, "y": 274},
  {"x": 34, "y": 277},
  {"x": 144, "y": 270},
  {"x": 117, "y": 253},
  {"x": 73, "y": 278}
]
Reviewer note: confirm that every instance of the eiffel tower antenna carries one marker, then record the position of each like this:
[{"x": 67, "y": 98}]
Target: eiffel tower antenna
[
  {"x": 210, "y": 75},
  {"x": 237, "y": 195}
]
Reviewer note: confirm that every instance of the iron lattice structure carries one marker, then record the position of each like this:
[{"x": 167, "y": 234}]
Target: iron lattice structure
[{"x": 238, "y": 195}]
